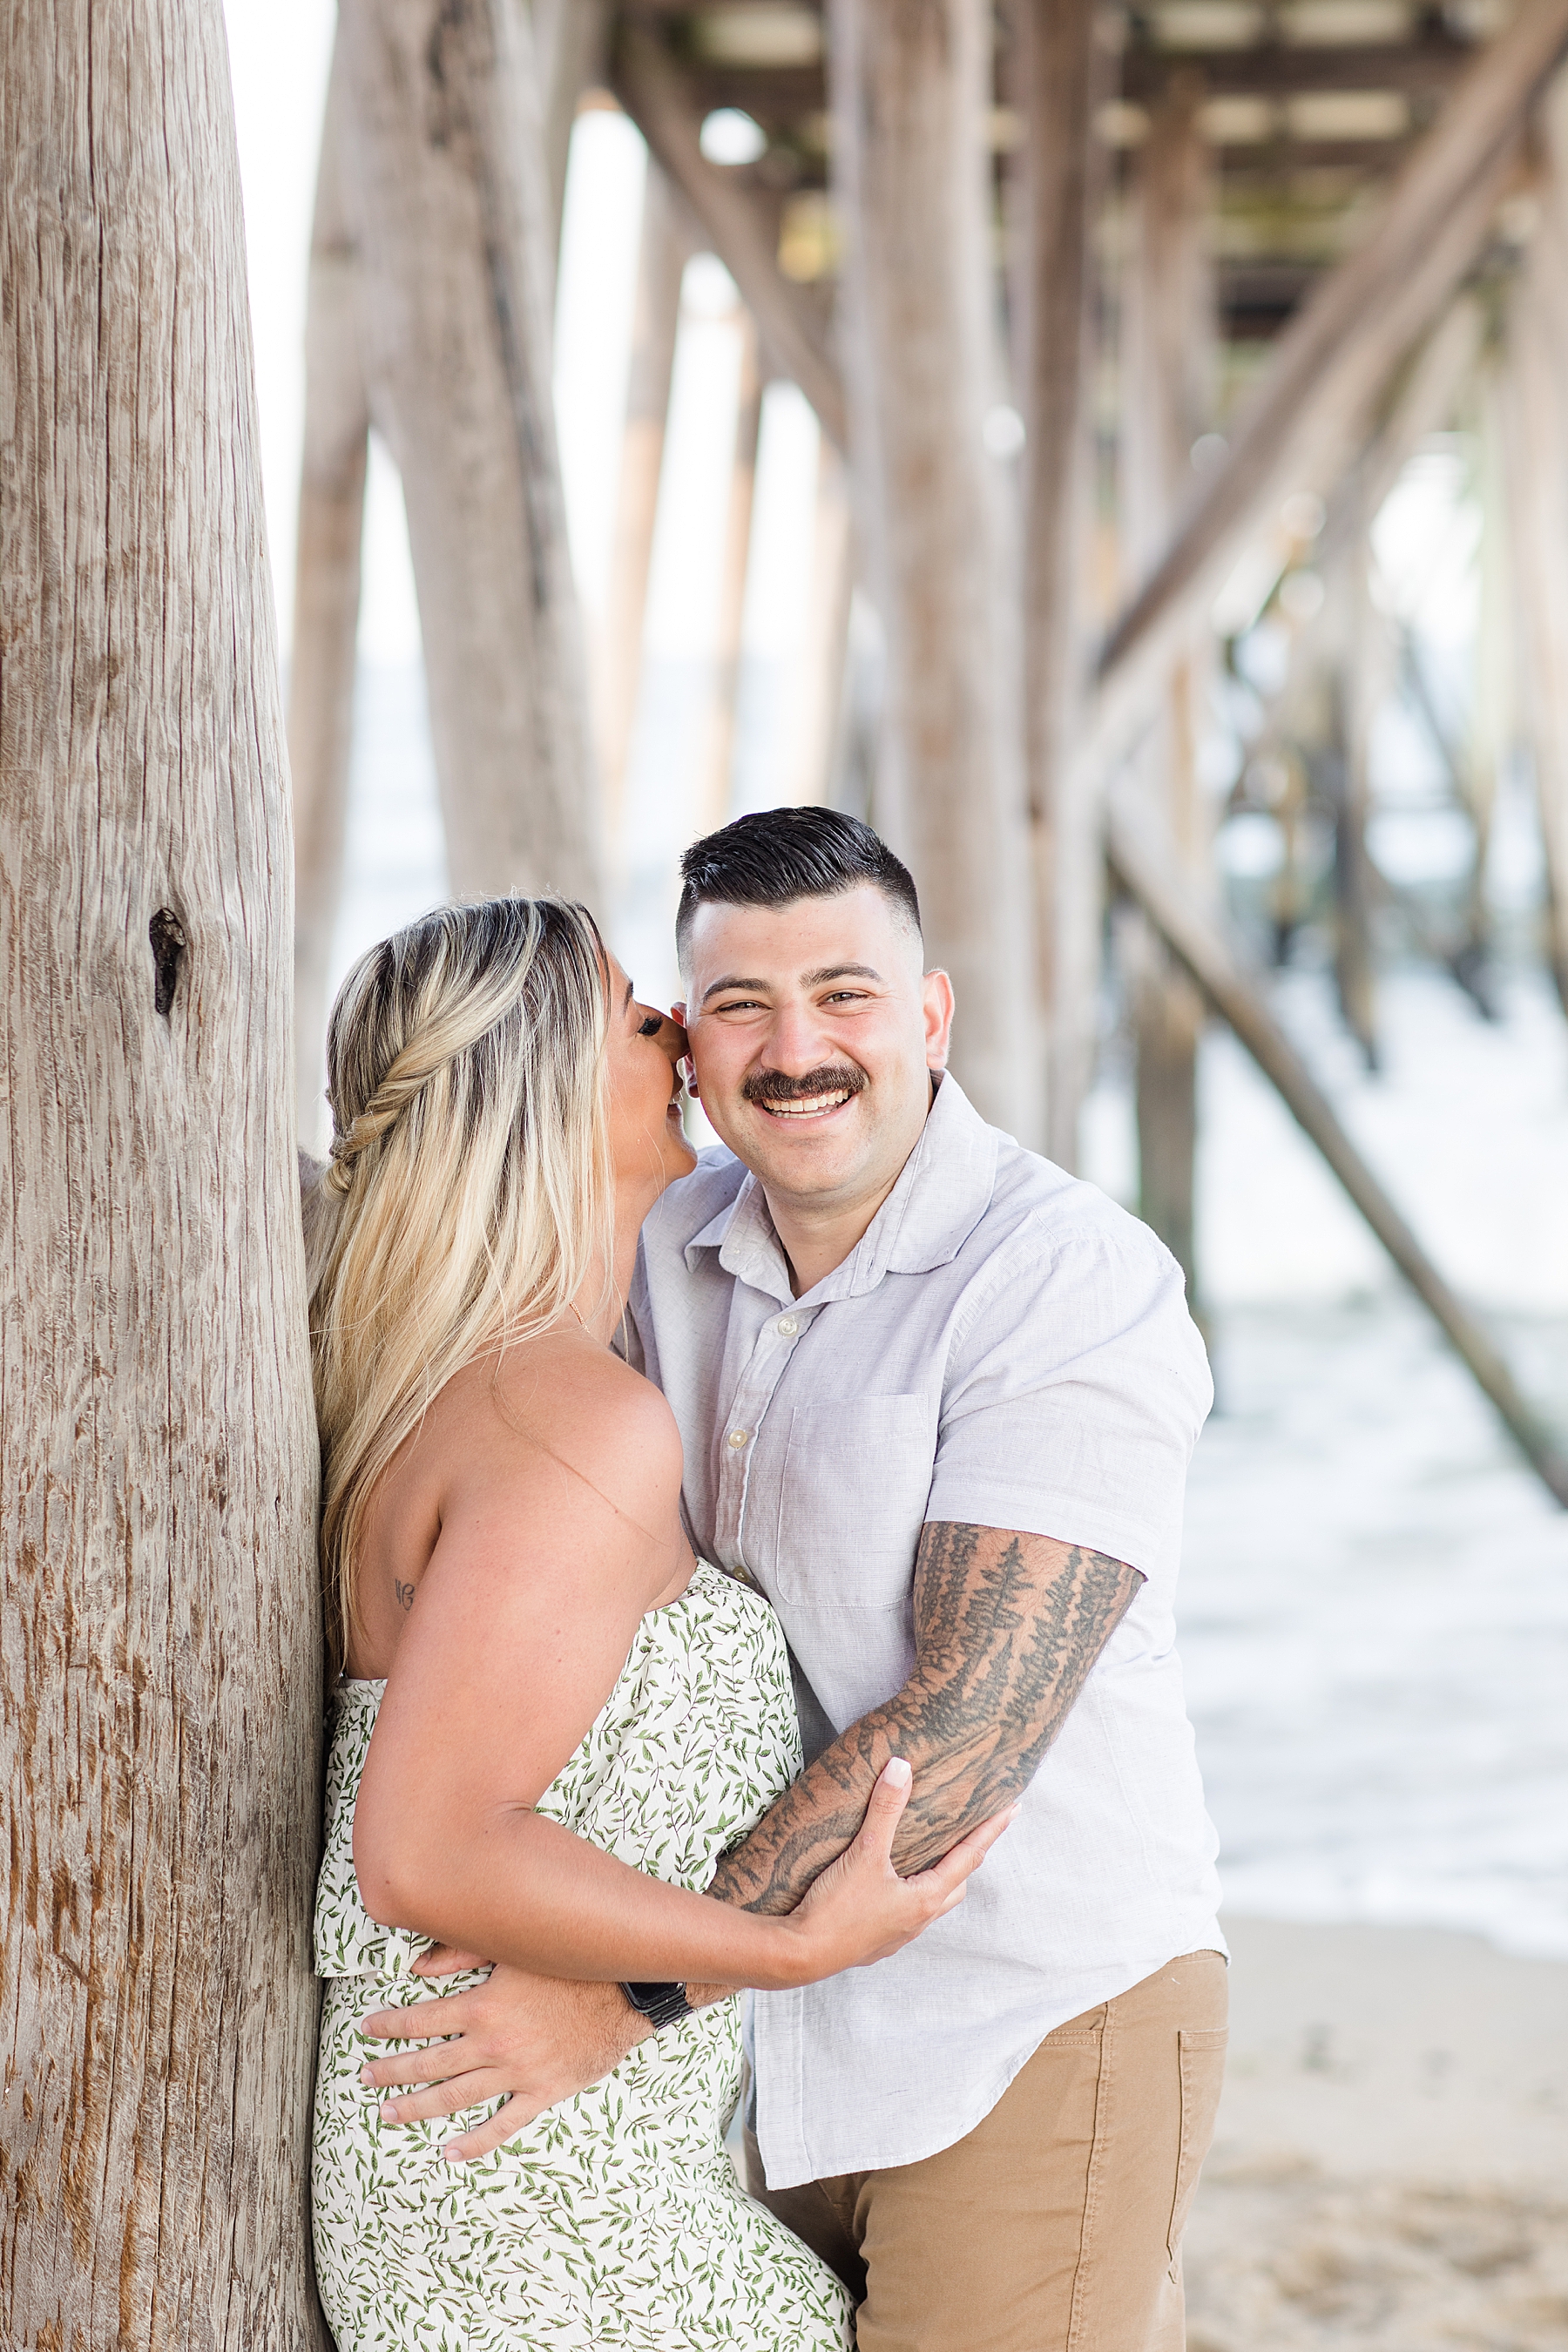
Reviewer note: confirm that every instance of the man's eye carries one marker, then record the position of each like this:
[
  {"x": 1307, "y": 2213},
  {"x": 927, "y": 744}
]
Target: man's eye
[{"x": 651, "y": 1027}]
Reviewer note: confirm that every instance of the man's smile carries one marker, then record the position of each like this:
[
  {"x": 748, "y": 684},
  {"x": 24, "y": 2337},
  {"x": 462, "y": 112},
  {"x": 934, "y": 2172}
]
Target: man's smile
[{"x": 810, "y": 1106}]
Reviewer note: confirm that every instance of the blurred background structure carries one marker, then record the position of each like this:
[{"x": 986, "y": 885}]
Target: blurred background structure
[{"x": 1123, "y": 452}]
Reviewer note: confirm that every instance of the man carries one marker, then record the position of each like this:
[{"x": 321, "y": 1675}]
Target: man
[{"x": 937, "y": 1401}]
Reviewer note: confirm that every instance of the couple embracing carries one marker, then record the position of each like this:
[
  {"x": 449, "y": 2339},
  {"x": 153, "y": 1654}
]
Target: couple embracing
[{"x": 726, "y": 1559}]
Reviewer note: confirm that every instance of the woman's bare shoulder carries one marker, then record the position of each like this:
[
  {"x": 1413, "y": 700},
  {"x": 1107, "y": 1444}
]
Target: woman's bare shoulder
[{"x": 561, "y": 1409}]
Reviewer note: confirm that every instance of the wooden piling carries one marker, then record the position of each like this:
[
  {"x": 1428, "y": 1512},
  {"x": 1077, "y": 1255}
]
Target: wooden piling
[
  {"x": 1353, "y": 701},
  {"x": 718, "y": 753},
  {"x": 452, "y": 211},
  {"x": 570, "y": 39},
  {"x": 911, "y": 97},
  {"x": 813, "y": 774},
  {"x": 1535, "y": 442},
  {"x": 1062, "y": 73},
  {"x": 1168, "y": 370},
  {"x": 661, "y": 258},
  {"x": 326, "y": 604}
]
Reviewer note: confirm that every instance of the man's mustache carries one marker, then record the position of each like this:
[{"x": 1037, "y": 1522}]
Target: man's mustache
[{"x": 776, "y": 1085}]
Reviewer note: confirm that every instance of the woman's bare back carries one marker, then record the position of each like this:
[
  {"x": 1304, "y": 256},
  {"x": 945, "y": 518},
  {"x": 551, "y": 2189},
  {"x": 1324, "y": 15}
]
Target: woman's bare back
[{"x": 557, "y": 1409}]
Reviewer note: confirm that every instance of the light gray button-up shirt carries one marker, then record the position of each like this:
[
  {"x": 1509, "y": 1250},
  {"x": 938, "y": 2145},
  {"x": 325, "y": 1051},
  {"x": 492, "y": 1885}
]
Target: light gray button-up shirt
[{"x": 1004, "y": 1348}]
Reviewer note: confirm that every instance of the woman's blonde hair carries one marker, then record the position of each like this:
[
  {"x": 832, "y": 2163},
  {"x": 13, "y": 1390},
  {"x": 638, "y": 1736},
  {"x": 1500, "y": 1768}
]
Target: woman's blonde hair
[{"x": 469, "y": 1193}]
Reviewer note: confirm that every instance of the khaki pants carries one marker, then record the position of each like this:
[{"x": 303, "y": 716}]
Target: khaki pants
[{"x": 1056, "y": 2225}]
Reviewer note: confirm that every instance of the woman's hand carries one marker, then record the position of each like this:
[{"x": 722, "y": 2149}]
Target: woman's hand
[
  {"x": 859, "y": 1910},
  {"x": 528, "y": 2041}
]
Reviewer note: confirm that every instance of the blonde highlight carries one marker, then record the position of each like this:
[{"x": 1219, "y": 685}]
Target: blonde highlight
[{"x": 467, "y": 1197}]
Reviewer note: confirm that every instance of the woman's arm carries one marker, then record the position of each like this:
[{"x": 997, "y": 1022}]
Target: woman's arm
[{"x": 553, "y": 1542}]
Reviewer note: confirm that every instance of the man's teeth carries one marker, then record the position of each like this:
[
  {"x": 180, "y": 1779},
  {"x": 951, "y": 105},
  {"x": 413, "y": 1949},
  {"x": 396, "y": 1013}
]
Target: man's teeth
[{"x": 809, "y": 1106}]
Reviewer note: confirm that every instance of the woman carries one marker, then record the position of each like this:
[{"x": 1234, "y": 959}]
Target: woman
[{"x": 553, "y": 1719}]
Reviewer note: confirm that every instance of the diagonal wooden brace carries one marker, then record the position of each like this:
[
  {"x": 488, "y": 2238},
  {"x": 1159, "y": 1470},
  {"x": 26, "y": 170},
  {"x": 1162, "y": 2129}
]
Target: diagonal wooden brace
[
  {"x": 1144, "y": 860},
  {"x": 651, "y": 89}
]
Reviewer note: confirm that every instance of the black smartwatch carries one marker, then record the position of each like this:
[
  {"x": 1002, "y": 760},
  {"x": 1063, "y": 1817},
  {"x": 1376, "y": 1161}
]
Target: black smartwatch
[{"x": 661, "y": 2004}]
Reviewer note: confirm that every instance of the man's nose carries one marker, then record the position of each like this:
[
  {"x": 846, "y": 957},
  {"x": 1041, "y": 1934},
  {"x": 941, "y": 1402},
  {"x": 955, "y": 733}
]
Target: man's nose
[{"x": 795, "y": 1041}]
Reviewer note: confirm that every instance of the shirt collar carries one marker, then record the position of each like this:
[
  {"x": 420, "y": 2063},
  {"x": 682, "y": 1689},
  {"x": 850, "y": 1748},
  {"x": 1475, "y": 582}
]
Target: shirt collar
[{"x": 943, "y": 1190}]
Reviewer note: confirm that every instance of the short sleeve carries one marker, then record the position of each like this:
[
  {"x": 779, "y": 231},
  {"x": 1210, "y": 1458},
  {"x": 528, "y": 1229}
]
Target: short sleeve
[{"x": 1077, "y": 1386}]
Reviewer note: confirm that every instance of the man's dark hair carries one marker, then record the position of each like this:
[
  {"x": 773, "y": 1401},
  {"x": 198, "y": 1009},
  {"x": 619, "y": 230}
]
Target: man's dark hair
[{"x": 780, "y": 855}]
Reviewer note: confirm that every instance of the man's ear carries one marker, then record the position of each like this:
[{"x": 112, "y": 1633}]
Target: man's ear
[
  {"x": 936, "y": 992},
  {"x": 678, "y": 1013}
]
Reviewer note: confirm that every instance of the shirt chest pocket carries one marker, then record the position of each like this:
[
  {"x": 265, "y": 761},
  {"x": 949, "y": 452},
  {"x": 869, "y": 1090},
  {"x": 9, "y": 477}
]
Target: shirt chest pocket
[{"x": 852, "y": 1500}]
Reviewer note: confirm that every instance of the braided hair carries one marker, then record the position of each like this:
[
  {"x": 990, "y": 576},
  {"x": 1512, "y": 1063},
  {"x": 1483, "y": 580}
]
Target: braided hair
[{"x": 468, "y": 1194}]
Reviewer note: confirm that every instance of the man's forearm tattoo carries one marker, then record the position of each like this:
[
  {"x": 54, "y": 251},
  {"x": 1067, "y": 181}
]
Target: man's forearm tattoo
[{"x": 1007, "y": 1629}]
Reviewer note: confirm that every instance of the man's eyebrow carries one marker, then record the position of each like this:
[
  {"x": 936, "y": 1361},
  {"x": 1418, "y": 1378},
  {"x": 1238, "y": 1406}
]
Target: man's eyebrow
[
  {"x": 719, "y": 985},
  {"x": 807, "y": 978}
]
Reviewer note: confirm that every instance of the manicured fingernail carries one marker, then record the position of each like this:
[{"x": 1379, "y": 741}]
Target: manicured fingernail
[
  {"x": 389, "y": 2112},
  {"x": 365, "y": 2075},
  {"x": 897, "y": 1770}
]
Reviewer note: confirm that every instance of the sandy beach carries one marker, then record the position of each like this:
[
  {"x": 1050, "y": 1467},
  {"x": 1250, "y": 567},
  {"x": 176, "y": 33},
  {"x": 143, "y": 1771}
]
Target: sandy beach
[{"x": 1391, "y": 2165}]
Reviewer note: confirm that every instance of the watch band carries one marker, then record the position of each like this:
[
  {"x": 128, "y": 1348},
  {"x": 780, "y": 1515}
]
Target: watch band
[{"x": 661, "y": 2004}]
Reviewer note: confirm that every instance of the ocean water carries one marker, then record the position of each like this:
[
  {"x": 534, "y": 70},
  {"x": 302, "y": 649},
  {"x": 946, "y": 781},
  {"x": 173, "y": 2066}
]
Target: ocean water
[{"x": 1374, "y": 1597}]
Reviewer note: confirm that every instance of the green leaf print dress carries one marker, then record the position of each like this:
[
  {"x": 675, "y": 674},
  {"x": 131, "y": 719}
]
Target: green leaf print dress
[{"x": 615, "y": 2219}]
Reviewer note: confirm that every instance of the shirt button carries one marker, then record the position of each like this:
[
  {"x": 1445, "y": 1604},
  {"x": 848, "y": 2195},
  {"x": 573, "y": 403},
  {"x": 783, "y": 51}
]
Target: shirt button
[
  {"x": 738, "y": 1438},
  {"x": 788, "y": 1327}
]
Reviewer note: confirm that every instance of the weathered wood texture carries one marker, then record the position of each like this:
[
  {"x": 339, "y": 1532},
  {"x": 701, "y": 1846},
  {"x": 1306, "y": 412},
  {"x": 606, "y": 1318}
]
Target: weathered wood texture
[
  {"x": 1309, "y": 411},
  {"x": 793, "y": 327},
  {"x": 326, "y": 604},
  {"x": 1062, "y": 76},
  {"x": 1169, "y": 372},
  {"x": 160, "y": 1665},
  {"x": 451, "y": 208},
  {"x": 910, "y": 86},
  {"x": 1535, "y": 441},
  {"x": 661, "y": 258}
]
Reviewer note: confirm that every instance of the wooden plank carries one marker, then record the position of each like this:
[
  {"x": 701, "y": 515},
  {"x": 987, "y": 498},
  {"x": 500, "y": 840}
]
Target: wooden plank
[
  {"x": 326, "y": 604},
  {"x": 1429, "y": 64},
  {"x": 793, "y": 329},
  {"x": 1330, "y": 364},
  {"x": 452, "y": 215},
  {"x": 1144, "y": 860},
  {"x": 909, "y": 92},
  {"x": 1062, "y": 74},
  {"x": 160, "y": 1608}
]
